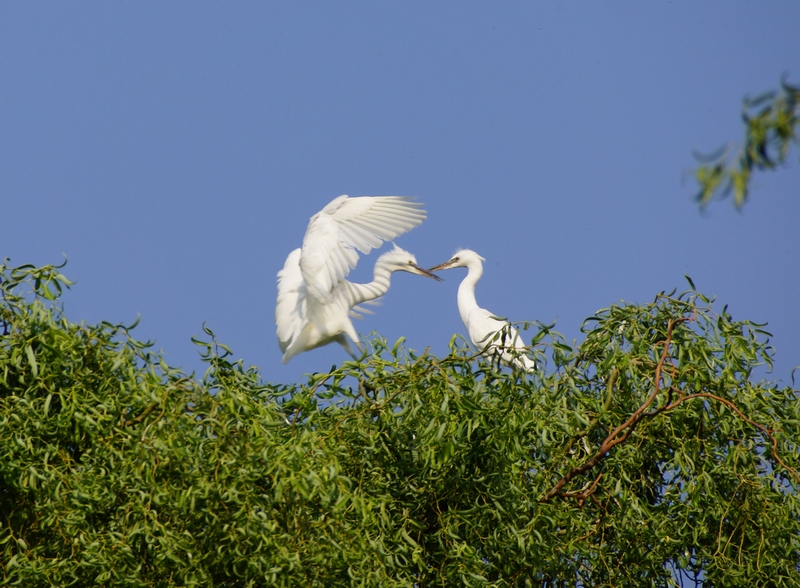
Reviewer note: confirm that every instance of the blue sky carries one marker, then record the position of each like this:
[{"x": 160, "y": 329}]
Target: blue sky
[{"x": 175, "y": 152}]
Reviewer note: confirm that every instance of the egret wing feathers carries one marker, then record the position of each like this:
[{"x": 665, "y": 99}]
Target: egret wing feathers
[
  {"x": 315, "y": 300},
  {"x": 304, "y": 322},
  {"x": 326, "y": 322},
  {"x": 291, "y": 308},
  {"x": 346, "y": 226}
]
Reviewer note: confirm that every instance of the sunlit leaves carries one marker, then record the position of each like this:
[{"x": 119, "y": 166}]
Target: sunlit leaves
[
  {"x": 771, "y": 126},
  {"x": 400, "y": 469}
]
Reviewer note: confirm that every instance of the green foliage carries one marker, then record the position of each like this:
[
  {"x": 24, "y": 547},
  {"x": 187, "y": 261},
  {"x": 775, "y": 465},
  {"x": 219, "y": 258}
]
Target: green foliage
[
  {"x": 645, "y": 454},
  {"x": 771, "y": 122}
]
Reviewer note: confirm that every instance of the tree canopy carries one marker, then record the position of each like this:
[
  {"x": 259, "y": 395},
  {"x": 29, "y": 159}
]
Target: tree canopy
[{"x": 650, "y": 453}]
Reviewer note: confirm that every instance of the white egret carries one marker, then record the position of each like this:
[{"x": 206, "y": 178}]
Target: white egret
[
  {"x": 314, "y": 298},
  {"x": 482, "y": 326}
]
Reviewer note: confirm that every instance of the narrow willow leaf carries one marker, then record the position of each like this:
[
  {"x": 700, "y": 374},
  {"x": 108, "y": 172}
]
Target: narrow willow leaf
[{"x": 32, "y": 360}]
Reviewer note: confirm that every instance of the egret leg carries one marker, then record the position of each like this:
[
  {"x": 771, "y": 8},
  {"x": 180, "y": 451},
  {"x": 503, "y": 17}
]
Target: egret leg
[{"x": 344, "y": 341}]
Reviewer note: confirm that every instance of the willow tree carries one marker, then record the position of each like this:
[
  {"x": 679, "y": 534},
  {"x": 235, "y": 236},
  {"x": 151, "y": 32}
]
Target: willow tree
[{"x": 649, "y": 454}]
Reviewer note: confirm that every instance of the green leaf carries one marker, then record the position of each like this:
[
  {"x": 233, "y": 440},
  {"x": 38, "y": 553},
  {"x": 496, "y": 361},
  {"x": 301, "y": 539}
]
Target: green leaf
[{"x": 32, "y": 360}]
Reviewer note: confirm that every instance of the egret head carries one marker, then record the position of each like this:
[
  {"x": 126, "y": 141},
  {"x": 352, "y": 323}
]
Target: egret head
[
  {"x": 462, "y": 258},
  {"x": 400, "y": 260}
]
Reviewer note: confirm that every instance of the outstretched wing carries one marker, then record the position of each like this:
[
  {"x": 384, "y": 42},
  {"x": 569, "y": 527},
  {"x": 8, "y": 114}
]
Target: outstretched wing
[
  {"x": 292, "y": 306},
  {"x": 346, "y": 226}
]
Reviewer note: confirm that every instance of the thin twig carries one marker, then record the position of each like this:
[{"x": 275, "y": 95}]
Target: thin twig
[
  {"x": 136, "y": 420},
  {"x": 585, "y": 493},
  {"x": 362, "y": 390},
  {"x": 151, "y": 407}
]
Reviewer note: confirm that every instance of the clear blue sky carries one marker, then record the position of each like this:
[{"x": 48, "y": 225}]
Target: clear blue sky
[{"x": 175, "y": 152}]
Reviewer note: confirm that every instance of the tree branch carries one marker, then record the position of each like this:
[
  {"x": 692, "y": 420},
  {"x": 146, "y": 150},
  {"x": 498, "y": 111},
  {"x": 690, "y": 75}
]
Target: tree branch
[
  {"x": 141, "y": 417},
  {"x": 751, "y": 422},
  {"x": 621, "y": 433}
]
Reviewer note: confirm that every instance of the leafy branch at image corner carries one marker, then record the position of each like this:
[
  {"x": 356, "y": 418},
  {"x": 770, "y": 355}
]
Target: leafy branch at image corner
[{"x": 771, "y": 124}]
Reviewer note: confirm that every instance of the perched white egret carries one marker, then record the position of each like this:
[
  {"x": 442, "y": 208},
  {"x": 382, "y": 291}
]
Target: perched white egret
[
  {"x": 482, "y": 326},
  {"x": 314, "y": 298}
]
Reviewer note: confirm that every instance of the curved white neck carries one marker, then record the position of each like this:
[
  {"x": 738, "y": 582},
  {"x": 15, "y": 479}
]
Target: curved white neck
[
  {"x": 381, "y": 280},
  {"x": 466, "y": 290}
]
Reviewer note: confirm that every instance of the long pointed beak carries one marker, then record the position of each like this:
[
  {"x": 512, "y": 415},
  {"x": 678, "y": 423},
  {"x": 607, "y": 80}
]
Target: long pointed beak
[
  {"x": 441, "y": 266},
  {"x": 427, "y": 273}
]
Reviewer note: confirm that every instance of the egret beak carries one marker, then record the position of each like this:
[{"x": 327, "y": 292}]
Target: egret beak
[
  {"x": 415, "y": 269},
  {"x": 446, "y": 265}
]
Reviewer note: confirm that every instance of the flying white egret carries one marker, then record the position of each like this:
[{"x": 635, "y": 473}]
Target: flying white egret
[
  {"x": 482, "y": 326},
  {"x": 314, "y": 298}
]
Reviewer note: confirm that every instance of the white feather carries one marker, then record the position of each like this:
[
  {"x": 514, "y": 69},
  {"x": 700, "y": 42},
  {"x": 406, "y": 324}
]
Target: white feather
[
  {"x": 487, "y": 332},
  {"x": 315, "y": 300}
]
